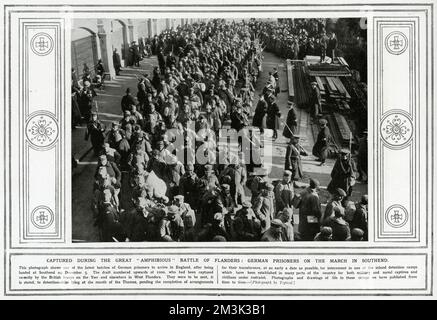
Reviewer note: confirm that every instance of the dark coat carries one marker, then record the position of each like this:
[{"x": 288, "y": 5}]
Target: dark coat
[
  {"x": 293, "y": 160},
  {"x": 291, "y": 124},
  {"x": 273, "y": 115},
  {"x": 259, "y": 117},
  {"x": 320, "y": 148},
  {"x": 341, "y": 176},
  {"x": 309, "y": 207}
]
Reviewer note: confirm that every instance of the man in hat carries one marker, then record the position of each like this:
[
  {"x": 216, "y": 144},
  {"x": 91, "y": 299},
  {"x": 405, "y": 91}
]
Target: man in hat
[
  {"x": 108, "y": 220},
  {"x": 273, "y": 115},
  {"x": 174, "y": 171},
  {"x": 135, "y": 221},
  {"x": 188, "y": 217},
  {"x": 258, "y": 182},
  {"x": 286, "y": 216},
  {"x": 324, "y": 138},
  {"x": 293, "y": 160},
  {"x": 291, "y": 123},
  {"x": 210, "y": 179},
  {"x": 127, "y": 101},
  {"x": 95, "y": 130},
  {"x": 171, "y": 227},
  {"x": 315, "y": 100},
  {"x": 246, "y": 225},
  {"x": 259, "y": 115},
  {"x": 343, "y": 174},
  {"x": 340, "y": 228},
  {"x": 135, "y": 53},
  {"x": 188, "y": 186},
  {"x": 325, "y": 234},
  {"x": 274, "y": 232},
  {"x": 112, "y": 154},
  {"x": 226, "y": 201},
  {"x": 284, "y": 192},
  {"x": 335, "y": 202},
  {"x": 238, "y": 176},
  {"x": 265, "y": 208},
  {"x": 310, "y": 211}
]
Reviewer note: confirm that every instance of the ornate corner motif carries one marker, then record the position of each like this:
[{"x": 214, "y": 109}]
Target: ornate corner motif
[
  {"x": 41, "y": 44},
  {"x": 42, "y": 217},
  {"x": 42, "y": 130},
  {"x": 396, "y": 216},
  {"x": 396, "y": 129},
  {"x": 396, "y": 42}
]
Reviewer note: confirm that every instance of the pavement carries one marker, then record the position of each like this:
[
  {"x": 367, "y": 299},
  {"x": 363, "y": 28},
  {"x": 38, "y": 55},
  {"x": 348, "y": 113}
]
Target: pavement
[{"x": 109, "y": 109}]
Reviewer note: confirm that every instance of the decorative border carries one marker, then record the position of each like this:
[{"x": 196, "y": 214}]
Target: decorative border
[
  {"x": 43, "y": 130},
  {"x": 426, "y": 8},
  {"x": 383, "y": 229}
]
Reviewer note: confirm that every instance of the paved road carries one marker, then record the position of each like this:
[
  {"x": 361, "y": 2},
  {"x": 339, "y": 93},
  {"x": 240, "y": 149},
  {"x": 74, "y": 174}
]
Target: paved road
[{"x": 108, "y": 101}]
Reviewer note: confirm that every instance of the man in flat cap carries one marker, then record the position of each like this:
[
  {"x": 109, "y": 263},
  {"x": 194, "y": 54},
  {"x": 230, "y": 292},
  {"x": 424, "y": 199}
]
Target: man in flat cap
[
  {"x": 188, "y": 186},
  {"x": 171, "y": 227},
  {"x": 265, "y": 207},
  {"x": 293, "y": 160},
  {"x": 286, "y": 216},
  {"x": 343, "y": 174},
  {"x": 274, "y": 233},
  {"x": 340, "y": 228},
  {"x": 324, "y": 138},
  {"x": 310, "y": 211},
  {"x": 246, "y": 225},
  {"x": 284, "y": 192},
  {"x": 258, "y": 182},
  {"x": 188, "y": 217},
  {"x": 210, "y": 179},
  {"x": 335, "y": 202}
]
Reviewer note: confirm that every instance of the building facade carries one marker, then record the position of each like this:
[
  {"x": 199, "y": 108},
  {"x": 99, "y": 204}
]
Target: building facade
[{"x": 94, "y": 39}]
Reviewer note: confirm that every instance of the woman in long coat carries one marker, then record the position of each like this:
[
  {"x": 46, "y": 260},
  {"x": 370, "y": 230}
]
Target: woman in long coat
[
  {"x": 291, "y": 123},
  {"x": 273, "y": 116}
]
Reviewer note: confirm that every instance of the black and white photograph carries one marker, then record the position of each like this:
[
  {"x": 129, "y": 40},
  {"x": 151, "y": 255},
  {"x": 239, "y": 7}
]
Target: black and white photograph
[{"x": 219, "y": 129}]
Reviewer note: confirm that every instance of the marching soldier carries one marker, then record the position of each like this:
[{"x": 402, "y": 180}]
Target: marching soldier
[{"x": 293, "y": 160}]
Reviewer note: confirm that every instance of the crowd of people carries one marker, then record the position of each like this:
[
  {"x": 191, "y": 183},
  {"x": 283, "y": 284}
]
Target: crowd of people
[
  {"x": 297, "y": 38},
  {"x": 206, "y": 75}
]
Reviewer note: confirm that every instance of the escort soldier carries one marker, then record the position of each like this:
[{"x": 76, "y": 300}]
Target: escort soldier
[{"x": 293, "y": 160}]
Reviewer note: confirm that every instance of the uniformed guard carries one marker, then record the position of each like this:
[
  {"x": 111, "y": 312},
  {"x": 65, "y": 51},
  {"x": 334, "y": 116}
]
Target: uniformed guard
[{"x": 293, "y": 160}]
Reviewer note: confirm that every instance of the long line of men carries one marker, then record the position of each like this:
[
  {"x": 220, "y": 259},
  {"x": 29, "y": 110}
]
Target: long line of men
[{"x": 207, "y": 78}]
